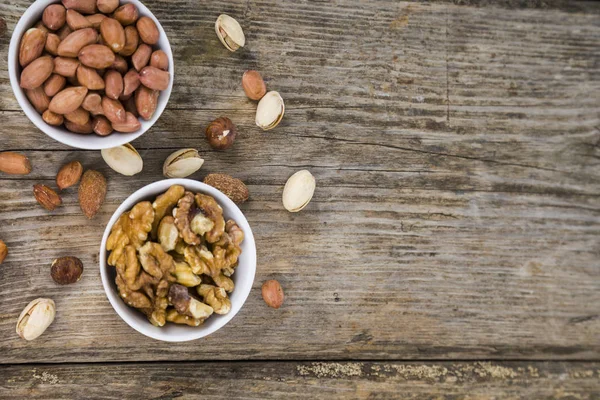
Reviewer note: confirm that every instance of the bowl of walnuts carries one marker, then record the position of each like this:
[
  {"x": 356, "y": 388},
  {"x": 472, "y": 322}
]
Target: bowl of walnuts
[
  {"x": 177, "y": 260},
  {"x": 92, "y": 74}
]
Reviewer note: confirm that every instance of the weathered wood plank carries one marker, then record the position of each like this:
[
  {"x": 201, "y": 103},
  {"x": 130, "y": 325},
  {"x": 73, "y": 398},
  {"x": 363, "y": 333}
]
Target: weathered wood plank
[
  {"x": 376, "y": 272},
  {"x": 290, "y": 380},
  {"x": 456, "y": 216}
]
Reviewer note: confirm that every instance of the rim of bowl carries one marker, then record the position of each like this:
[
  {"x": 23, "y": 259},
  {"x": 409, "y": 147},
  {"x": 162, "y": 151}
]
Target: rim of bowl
[
  {"x": 241, "y": 288},
  {"x": 61, "y": 134}
]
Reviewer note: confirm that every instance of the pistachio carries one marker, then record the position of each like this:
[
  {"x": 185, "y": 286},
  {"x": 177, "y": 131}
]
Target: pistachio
[
  {"x": 229, "y": 32},
  {"x": 270, "y": 111},
  {"x": 123, "y": 159},
  {"x": 182, "y": 163},
  {"x": 35, "y": 318},
  {"x": 298, "y": 191}
]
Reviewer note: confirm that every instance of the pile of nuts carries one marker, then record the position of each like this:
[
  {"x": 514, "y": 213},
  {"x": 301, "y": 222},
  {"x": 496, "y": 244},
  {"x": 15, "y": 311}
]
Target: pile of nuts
[
  {"x": 90, "y": 65},
  {"x": 174, "y": 257}
]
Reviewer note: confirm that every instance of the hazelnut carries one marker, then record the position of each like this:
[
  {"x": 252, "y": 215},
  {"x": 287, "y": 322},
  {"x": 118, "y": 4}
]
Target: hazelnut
[
  {"x": 221, "y": 133},
  {"x": 254, "y": 85},
  {"x": 272, "y": 293},
  {"x": 66, "y": 270}
]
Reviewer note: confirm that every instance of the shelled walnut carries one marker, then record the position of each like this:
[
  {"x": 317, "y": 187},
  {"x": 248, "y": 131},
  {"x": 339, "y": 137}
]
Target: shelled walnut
[{"x": 174, "y": 257}]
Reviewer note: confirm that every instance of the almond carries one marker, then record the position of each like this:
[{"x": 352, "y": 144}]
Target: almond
[
  {"x": 127, "y": 14},
  {"x": 107, "y": 6},
  {"x": 81, "y": 129},
  {"x": 52, "y": 43},
  {"x": 232, "y": 187},
  {"x": 96, "y": 20},
  {"x": 54, "y": 16},
  {"x": 83, "y": 6},
  {"x": 131, "y": 81},
  {"x": 92, "y": 191},
  {"x": 120, "y": 64},
  {"x": 32, "y": 46},
  {"x": 51, "y": 118},
  {"x": 3, "y": 251},
  {"x": 34, "y": 74},
  {"x": 38, "y": 99},
  {"x": 102, "y": 125},
  {"x": 154, "y": 78},
  {"x": 146, "y": 101},
  {"x": 147, "y": 30},
  {"x": 131, "y": 124},
  {"x": 77, "y": 21},
  {"x": 68, "y": 100},
  {"x": 89, "y": 78},
  {"x": 132, "y": 39},
  {"x": 113, "y": 84},
  {"x": 63, "y": 32},
  {"x": 69, "y": 174},
  {"x": 160, "y": 60},
  {"x": 72, "y": 44},
  {"x": 140, "y": 58},
  {"x": 66, "y": 67},
  {"x": 14, "y": 163},
  {"x": 93, "y": 103},
  {"x": 96, "y": 56},
  {"x": 47, "y": 197},
  {"x": 113, "y": 110},
  {"x": 78, "y": 117},
  {"x": 113, "y": 34}
]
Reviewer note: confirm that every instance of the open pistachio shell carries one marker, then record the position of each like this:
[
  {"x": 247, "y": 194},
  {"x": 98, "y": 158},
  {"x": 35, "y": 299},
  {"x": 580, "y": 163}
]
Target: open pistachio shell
[
  {"x": 298, "y": 191},
  {"x": 123, "y": 159},
  {"x": 270, "y": 111},
  {"x": 229, "y": 32},
  {"x": 35, "y": 318},
  {"x": 182, "y": 163}
]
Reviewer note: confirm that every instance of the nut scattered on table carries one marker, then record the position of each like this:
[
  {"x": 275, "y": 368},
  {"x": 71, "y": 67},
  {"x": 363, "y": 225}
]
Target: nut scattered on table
[
  {"x": 193, "y": 248},
  {"x": 232, "y": 187},
  {"x": 14, "y": 163},
  {"x": 46, "y": 197},
  {"x": 229, "y": 32},
  {"x": 254, "y": 85},
  {"x": 92, "y": 191},
  {"x": 66, "y": 270},
  {"x": 270, "y": 111},
  {"x": 123, "y": 159},
  {"x": 3, "y": 251},
  {"x": 298, "y": 191},
  {"x": 69, "y": 175},
  {"x": 272, "y": 293},
  {"x": 182, "y": 163},
  {"x": 93, "y": 53},
  {"x": 221, "y": 133},
  {"x": 36, "y": 318}
]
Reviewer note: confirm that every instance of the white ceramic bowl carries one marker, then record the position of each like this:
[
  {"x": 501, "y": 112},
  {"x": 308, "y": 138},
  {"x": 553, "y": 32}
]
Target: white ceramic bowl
[
  {"x": 93, "y": 142},
  {"x": 243, "y": 276}
]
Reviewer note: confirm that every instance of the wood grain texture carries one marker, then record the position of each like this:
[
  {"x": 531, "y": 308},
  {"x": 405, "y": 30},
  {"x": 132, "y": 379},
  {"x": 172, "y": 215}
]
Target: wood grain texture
[
  {"x": 277, "y": 380},
  {"x": 457, "y": 212}
]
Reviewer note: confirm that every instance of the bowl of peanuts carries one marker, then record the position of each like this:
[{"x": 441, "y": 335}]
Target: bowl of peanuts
[{"x": 92, "y": 74}]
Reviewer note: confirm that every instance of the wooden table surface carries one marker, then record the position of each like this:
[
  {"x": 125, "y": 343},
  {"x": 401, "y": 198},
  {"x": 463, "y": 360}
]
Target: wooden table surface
[{"x": 452, "y": 247}]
